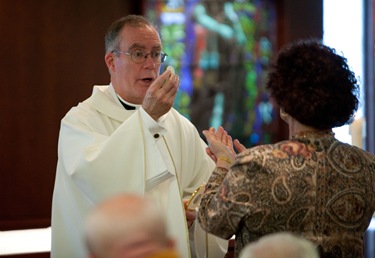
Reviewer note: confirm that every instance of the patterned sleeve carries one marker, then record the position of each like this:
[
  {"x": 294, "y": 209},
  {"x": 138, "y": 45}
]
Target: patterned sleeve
[{"x": 225, "y": 202}]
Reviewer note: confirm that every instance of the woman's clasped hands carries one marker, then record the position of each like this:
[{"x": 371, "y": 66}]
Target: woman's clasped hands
[{"x": 220, "y": 146}]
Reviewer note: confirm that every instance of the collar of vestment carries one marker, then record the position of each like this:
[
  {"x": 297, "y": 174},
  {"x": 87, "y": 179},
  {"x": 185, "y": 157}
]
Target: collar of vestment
[
  {"x": 104, "y": 99},
  {"x": 127, "y": 105}
]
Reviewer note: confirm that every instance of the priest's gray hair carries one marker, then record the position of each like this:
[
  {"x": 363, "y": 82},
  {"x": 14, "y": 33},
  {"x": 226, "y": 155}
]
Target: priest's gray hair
[{"x": 112, "y": 36}]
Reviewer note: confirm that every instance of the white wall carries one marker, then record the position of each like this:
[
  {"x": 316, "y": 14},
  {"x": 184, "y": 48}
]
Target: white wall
[{"x": 343, "y": 30}]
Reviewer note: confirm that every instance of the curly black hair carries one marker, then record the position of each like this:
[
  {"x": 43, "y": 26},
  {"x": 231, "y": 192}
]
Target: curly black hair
[{"x": 314, "y": 84}]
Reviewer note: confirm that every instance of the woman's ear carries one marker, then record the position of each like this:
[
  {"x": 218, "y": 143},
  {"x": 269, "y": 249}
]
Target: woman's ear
[{"x": 284, "y": 116}]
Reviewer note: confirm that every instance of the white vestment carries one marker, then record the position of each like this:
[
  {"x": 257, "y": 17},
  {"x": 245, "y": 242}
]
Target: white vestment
[{"x": 106, "y": 150}]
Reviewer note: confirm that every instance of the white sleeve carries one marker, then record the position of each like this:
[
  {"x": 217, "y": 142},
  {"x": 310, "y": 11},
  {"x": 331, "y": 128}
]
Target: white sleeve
[{"x": 154, "y": 127}]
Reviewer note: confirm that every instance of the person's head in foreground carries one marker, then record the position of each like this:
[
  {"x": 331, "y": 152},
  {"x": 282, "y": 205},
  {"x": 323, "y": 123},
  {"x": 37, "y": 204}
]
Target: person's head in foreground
[
  {"x": 127, "y": 226},
  {"x": 280, "y": 245},
  {"x": 314, "y": 85}
]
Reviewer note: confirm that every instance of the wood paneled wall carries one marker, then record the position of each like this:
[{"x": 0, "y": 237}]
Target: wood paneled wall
[
  {"x": 297, "y": 20},
  {"x": 51, "y": 54}
]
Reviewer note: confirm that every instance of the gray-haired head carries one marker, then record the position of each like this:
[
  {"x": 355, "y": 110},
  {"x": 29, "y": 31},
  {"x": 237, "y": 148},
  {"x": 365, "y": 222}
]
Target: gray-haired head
[
  {"x": 280, "y": 245},
  {"x": 112, "y": 36}
]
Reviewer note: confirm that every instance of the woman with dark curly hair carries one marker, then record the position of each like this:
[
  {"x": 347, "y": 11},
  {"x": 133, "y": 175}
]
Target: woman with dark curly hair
[{"x": 312, "y": 184}]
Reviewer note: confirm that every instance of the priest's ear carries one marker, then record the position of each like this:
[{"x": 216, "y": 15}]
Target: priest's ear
[{"x": 109, "y": 61}]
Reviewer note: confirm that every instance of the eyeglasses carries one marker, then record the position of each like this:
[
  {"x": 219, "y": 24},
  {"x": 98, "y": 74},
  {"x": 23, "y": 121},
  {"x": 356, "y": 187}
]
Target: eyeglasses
[{"x": 140, "y": 56}]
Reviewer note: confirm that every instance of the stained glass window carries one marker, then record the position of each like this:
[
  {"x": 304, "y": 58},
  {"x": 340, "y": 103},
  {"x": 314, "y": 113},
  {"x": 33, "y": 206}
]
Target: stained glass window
[{"x": 221, "y": 51}]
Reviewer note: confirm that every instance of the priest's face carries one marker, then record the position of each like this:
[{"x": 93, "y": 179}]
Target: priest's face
[{"x": 131, "y": 77}]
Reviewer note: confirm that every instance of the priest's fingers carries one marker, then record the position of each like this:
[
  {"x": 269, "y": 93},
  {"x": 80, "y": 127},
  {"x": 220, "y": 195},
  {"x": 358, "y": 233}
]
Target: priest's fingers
[
  {"x": 171, "y": 71},
  {"x": 167, "y": 86},
  {"x": 160, "y": 96},
  {"x": 191, "y": 215},
  {"x": 171, "y": 87},
  {"x": 162, "y": 79}
]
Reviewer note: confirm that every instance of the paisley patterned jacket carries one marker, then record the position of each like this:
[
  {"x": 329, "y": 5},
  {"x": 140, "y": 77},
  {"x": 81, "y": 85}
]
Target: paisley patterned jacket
[{"x": 312, "y": 185}]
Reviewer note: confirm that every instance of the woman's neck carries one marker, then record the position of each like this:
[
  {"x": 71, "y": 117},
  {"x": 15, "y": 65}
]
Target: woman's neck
[{"x": 296, "y": 127}]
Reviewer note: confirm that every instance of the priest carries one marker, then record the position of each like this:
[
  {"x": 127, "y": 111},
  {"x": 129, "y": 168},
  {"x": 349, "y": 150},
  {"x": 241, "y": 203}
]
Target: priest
[{"x": 127, "y": 138}]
